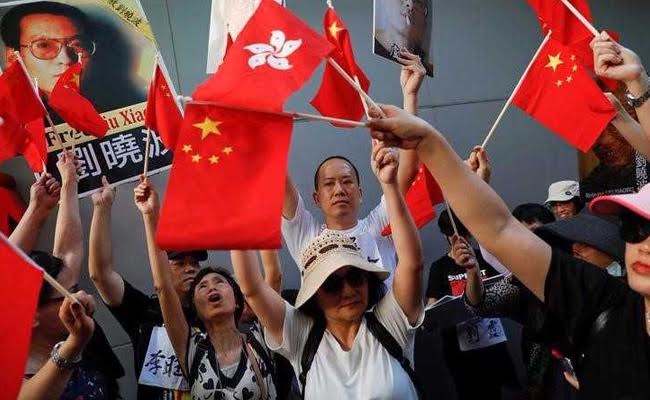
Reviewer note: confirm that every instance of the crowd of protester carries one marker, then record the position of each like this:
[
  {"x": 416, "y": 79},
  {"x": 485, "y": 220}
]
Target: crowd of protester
[{"x": 576, "y": 276}]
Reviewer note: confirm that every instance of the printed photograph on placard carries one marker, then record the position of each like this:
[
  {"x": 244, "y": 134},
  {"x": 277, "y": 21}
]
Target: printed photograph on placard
[
  {"x": 403, "y": 24},
  {"x": 114, "y": 43},
  {"x": 612, "y": 166}
]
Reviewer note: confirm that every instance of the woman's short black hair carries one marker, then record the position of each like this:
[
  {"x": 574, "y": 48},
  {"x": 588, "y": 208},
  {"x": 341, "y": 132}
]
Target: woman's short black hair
[
  {"x": 376, "y": 291},
  {"x": 533, "y": 212},
  {"x": 50, "y": 264},
  {"x": 239, "y": 297},
  {"x": 447, "y": 228}
]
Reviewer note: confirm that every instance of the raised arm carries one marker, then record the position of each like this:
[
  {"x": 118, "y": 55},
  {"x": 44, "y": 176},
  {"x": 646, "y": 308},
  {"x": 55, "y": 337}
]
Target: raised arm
[
  {"x": 479, "y": 208},
  {"x": 146, "y": 199},
  {"x": 411, "y": 77},
  {"x": 272, "y": 269},
  {"x": 290, "y": 199},
  {"x": 49, "y": 382},
  {"x": 629, "y": 128},
  {"x": 613, "y": 61},
  {"x": 43, "y": 196},
  {"x": 407, "y": 285},
  {"x": 266, "y": 303},
  {"x": 68, "y": 236},
  {"x": 109, "y": 283},
  {"x": 464, "y": 256}
]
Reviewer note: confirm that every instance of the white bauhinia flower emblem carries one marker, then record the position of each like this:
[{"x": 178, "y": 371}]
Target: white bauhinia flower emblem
[{"x": 275, "y": 54}]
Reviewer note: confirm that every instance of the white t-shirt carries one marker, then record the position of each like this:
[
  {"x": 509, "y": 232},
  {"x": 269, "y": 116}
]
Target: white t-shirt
[
  {"x": 303, "y": 228},
  {"x": 367, "y": 371}
]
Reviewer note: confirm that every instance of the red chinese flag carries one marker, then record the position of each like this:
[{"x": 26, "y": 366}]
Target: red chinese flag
[
  {"x": 226, "y": 186},
  {"x": 12, "y": 209},
  {"x": 421, "y": 199},
  {"x": 35, "y": 151},
  {"x": 163, "y": 115},
  {"x": 336, "y": 97},
  {"x": 18, "y": 299},
  {"x": 12, "y": 136},
  {"x": 561, "y": 95},
  {"x": 75, "y": 109},
  {"x": 555, "y": 16},
  {"x": 17, "y": 91},
  {"x": 271, "y": 58}
]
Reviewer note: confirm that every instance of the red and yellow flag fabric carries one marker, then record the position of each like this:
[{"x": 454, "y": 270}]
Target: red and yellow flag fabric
[
  {"x": 163, "y": 115},
  {"x": 226, "y": 186}
]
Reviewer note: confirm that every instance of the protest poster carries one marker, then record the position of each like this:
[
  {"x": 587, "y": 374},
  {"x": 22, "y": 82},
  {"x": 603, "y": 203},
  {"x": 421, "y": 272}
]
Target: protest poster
[
  {"x": 403, "y": 24},
  {"x": 161, "y": 367},
  {"x": 612, "y": 166},
  {"x": 118, "y": 55}
]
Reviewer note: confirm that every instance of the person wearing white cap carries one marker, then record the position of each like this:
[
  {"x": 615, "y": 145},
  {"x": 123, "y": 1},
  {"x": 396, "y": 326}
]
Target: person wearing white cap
[
  {"x": 564, "y": 199},
  {"x": 606, "y": 322},
  {"x": 344, "y": 338}
]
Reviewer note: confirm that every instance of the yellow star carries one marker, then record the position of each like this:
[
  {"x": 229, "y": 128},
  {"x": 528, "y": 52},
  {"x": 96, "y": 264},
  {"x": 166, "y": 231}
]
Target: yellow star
[
  {"x": 573, "y": 57},
  {"x": 75, "y": 79},
  {"x": 574, "y": 68},
  {"x": 187, "y": 148},
  {"x": 196, "y": 158},
  {"x": 554, "y": 61},
  {"x": 208, "y": 126},
  {"x": 227, "y": 150},
  {"x": 334, "y": 30},
  {"x": 569, "y": 78},
  {"x": 214, "y": 159},
  {"x": 559, "y": 83}
]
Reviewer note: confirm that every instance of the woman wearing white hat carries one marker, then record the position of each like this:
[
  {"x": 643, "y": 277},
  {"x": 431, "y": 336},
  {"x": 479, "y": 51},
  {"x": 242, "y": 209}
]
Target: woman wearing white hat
[
  {"x": 607, "y": 323},
  {"x": 337, "y": 347}
]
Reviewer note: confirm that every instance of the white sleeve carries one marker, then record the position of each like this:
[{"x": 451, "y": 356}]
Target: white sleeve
[
  {"x": 299, "y": 230},
  {"x": 295, "y": 330},
  {"x": 378, "y": 218},
  {"x": 494, "y": 262},
  {"x": 391, "y": 315}
]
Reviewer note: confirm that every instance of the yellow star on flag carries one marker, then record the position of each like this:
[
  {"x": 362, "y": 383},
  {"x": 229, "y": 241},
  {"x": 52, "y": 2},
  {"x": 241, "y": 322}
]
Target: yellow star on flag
[
  {"x": 214, "y": 159},
  {"x": 569, "y": 78},
  {"x": 334, "y": 30},
  {"x": 75, "y": 79},
  {"x": 227, "y": 150},
  {"x": 208, "y": 127},
  {"x": 554, "y": 61},
  {"x": 559, "y": 83},
  {"x": 196, "y": 158},
  {"x": 574, "y": 68},
  {"x": 187, "y": 148}
]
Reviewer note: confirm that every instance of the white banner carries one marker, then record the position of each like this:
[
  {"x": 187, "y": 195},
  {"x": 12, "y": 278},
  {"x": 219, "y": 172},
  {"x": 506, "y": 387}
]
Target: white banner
[
  {"x": 161, "y": 367},
  {"x": 478, "y": 333}
]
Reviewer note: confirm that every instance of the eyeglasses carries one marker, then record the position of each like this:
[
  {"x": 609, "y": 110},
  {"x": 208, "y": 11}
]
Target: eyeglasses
[
  {"x": 50, "y": 48},
  {"x": 355, "y": 277},
  {"x": 634, "y": 228}
]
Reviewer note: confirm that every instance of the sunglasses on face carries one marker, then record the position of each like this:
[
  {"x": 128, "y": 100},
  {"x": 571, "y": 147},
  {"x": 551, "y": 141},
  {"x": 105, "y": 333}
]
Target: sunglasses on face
[
  {"x": 334, "y": 283},
  {"x": 634, "y": 228}
]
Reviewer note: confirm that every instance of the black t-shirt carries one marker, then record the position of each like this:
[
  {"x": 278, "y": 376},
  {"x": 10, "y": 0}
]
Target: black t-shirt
[
  {"x": 447, "y": 278},
  {"x": 605, "y": 323},
  {"x": 138, "y": 314}
]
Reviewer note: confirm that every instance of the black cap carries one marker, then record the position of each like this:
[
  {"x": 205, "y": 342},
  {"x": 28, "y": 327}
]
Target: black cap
[{"x": 199, "y": 255}]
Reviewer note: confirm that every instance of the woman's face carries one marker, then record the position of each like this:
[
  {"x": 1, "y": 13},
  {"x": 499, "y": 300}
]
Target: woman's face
[
  {"x": 344, "y": 295},
  {"x": 214, "y": 298},
  {"x": 637, "y": 260}
]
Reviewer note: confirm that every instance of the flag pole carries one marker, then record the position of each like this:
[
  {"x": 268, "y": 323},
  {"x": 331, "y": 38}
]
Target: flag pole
[
  {"x": 329, "y": 4},
  {"x": 293, "y": 114},
  {"x": 47, "y": 114},
  {"x": 581, "y": 17},
  {"x": 58, "y": 287},
  {"x": 147, "y": 145},
  {"x": 355, "y": 85},
  {"x": 451, "y": 215},
  {"x": 42, "y": 161},
  {"x": 514, "y": 92},
  {"x": 363, "y": 101}
]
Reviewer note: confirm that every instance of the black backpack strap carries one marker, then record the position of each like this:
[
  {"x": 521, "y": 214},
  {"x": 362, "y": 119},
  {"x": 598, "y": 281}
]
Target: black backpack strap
[
  {"x": 309, "y": 351},
  {"x": 202, "y": 348},
  {"x": 262, "y": 353},
  {"x": 394, "y": 349}
]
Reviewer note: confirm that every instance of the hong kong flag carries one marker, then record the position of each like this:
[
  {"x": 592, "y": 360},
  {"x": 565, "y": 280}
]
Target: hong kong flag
[
  {"x": 22, "y": 281},
  {"x": 336, "y": 97},
  {"x": 163, "y": 114},
  {"x": 227, "y": 181},
  {"x": 561, "y": 95},
  {"x": 273, "y": 56},
  {"x": 421, "y": 199},
  {"x": 74, "y": 108}
]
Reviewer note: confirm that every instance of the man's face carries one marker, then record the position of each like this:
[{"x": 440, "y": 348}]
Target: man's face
[
  {"x": 183, "y": 272},
  {"x": 46, "y": 26},
  {"x": 563, "y": 209},
  {"x": 338, "y": 193}
]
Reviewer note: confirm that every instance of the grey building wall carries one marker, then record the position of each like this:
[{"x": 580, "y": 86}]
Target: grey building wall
[{"x": 479, "y": 47}]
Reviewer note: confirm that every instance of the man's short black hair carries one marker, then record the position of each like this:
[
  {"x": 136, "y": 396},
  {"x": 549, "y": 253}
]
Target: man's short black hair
[
  {"x": 10, "y": 25},
  {"x": 447, "y": 229},
  {"x": 356, "y": 172},
  {"x": 533, "y": 212},
  {"x": 50, "y": 264}
]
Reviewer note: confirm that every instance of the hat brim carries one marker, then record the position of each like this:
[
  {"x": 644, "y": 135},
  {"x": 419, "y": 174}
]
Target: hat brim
[
  {"x": 560, "y": 197},
  {"x": 615, "y": 204},
  {"x": 314, "y": 280},
  {"x": 199, "y": 255}
]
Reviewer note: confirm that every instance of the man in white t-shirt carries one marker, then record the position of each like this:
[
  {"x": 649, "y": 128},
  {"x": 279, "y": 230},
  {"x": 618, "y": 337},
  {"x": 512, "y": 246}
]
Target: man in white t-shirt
[{"x": 338, "y": 193}]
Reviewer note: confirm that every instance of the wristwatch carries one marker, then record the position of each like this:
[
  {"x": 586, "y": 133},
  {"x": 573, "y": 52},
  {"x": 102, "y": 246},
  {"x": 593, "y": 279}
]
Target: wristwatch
[
  {"x": 637, "y": 102},
  {"x": 61, "y": 362}
]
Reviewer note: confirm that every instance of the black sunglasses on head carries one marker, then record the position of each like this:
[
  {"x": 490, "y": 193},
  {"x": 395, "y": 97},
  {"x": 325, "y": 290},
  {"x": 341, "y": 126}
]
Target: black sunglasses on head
[
  {"x": 355, "y": 277},
  {"x": 634, "y": 228}
]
